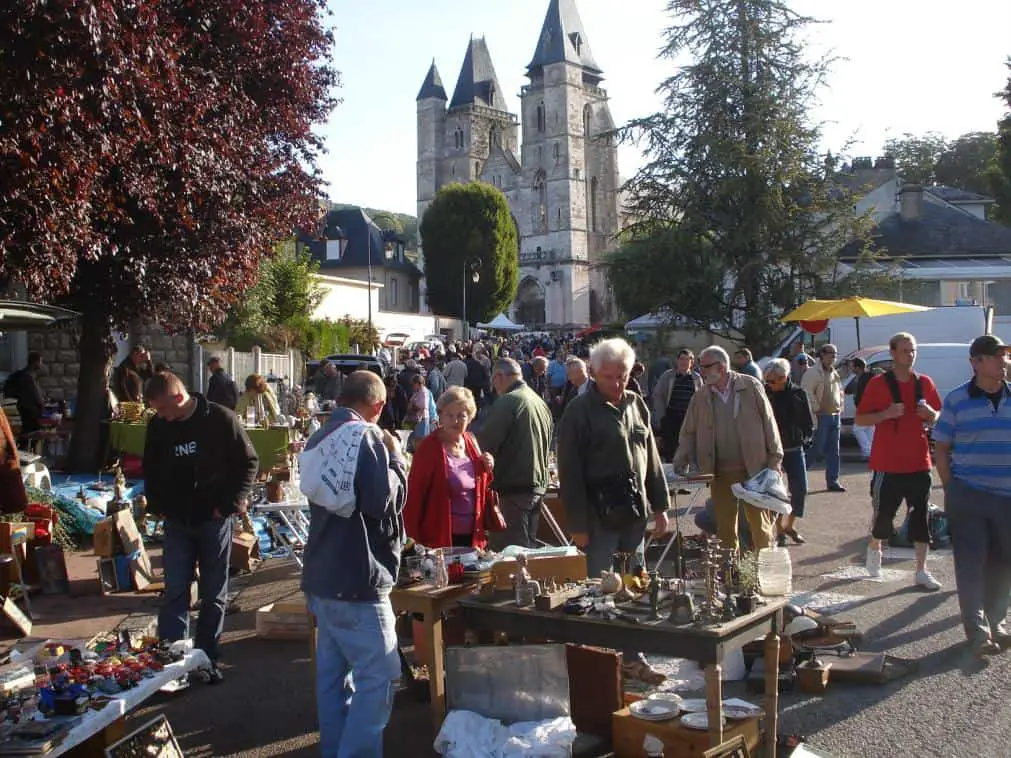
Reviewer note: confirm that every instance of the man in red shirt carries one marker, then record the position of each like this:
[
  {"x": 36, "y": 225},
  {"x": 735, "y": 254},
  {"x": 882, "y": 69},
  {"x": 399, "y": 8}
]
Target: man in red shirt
[{"x": 901, "y": 405}]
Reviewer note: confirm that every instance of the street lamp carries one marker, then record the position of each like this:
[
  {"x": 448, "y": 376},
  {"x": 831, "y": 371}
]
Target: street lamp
[{"x": 469, "y": 265}]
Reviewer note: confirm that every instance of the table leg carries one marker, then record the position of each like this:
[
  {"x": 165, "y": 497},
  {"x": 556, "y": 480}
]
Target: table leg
[
  {"x": 436, "y": 668},
  {"x": 771, "y": 692},
  {"x": 714, "y": 703}
]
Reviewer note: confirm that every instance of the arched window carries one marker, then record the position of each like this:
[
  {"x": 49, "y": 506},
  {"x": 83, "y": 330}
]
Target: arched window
[
  {"x": 459, "y": 138},
  {"x": 593, "y": 204},
  {"x": 541, "y": 203},
  {"x": 587, "y": 120},
  {"x": 541, "y": 118}
]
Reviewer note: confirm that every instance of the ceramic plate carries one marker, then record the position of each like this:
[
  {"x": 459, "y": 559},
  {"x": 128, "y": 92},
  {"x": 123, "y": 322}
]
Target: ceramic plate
[
  {"x": 694, "y": 705},
  {"x": 667, "y": 697},
  {"x": 697, "y": 721},
  {"x": 653, "y": 710},
  {"x": 740, "y": 712}
]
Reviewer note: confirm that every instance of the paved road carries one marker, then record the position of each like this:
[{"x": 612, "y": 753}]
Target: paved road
[{"x": 952, "y": 707}]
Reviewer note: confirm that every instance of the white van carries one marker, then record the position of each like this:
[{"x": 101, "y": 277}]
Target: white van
[{"x": 947, "y": 363}]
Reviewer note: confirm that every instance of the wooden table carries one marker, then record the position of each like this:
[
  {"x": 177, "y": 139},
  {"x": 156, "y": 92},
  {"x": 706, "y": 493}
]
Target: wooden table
[
  {"x": 707, "y": 645},
  {"x": 432, "y": 603}
]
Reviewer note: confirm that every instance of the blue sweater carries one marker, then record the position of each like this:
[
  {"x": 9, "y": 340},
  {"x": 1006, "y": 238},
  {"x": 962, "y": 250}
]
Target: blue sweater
[{"x": 356, "y": 559}]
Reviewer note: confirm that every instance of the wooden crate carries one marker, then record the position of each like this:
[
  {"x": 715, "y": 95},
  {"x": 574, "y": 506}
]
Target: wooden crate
[
  {"x": 561, "y": 567},
  {"x": 628, "y": 734},
  {"x": 283, "y": 621}
]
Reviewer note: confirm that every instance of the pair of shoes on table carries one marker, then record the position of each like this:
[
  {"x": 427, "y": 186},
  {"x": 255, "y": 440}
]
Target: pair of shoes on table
[{"x": 641, "y": 671}]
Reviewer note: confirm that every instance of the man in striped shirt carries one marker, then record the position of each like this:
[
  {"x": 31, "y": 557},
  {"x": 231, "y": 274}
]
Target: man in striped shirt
[{"x": 973, "y": 457}]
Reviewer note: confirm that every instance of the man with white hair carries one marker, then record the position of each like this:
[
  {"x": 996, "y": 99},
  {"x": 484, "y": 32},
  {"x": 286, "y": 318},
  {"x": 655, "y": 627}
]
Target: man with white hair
[
  {"x": 577, "y": 380},
  {"x": 611, "y": 476},
  {"x": 730, "y": 432}
]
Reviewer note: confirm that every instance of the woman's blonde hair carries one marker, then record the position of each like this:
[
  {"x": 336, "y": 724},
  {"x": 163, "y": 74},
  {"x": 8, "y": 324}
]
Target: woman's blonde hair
[
  {"x": 454, "y": 395},
  {"x": 256, "y": 382}
]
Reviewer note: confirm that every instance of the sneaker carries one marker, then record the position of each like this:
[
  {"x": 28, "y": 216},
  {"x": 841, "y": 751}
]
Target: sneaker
[
  {"x": 835, "y": 488},
  {"x": 926, "y": 580},
  {"x": 874, "y": 562},
  {"x": 1002, "y": 638},
  {"x": 794, "y": 535},
  {"x": 984, "y": 646}
]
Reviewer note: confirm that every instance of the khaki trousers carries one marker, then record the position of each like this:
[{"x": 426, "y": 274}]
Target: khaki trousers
[{"x": 725, "y": 503}]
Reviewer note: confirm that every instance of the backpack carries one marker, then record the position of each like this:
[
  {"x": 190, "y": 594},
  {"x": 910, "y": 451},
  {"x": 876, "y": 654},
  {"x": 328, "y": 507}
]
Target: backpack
[
  {"x": 937, "y": 525},
  {"x": 12, "y": 387},
  {"x": 893, "y": 386}
]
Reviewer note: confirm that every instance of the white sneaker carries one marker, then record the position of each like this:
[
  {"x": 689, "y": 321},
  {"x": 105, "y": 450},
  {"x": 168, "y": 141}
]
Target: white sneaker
[
  {"x": 874, "y": 562},
  {"x": 926, "y": 580}
]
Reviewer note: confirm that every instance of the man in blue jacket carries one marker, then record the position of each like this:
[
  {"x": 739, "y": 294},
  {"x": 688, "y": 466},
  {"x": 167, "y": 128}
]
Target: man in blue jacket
[{"x": 350, "y": 567}]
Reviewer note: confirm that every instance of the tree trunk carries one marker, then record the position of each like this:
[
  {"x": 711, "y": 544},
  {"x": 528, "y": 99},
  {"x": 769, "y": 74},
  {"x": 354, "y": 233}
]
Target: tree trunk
[{"x": 86, "y": 449}]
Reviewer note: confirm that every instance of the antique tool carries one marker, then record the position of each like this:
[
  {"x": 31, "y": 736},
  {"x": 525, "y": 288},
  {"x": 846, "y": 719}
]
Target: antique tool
[
  {"x": 552, "y": 599},
  {"x": 710, "y": 611},
  {"x": 654, "y": 597}
]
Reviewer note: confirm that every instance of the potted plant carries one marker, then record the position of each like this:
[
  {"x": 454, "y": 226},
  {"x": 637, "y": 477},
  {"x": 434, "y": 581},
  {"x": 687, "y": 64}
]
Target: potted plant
[{"x": 747, "y": 583}]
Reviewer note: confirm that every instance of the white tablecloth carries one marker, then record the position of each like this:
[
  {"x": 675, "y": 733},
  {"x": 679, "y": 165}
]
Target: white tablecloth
[{"x": 95, "y": 721}]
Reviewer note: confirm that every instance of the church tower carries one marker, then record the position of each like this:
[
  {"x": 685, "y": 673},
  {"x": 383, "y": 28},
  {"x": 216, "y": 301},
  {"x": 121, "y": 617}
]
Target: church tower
[
  {"x": 562, "y": 185},
  {"x": 572, "y": 170}
]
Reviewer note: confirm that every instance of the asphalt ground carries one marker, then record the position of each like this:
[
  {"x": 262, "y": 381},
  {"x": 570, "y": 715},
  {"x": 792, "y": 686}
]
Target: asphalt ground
[{"x": 953, "y": 705}]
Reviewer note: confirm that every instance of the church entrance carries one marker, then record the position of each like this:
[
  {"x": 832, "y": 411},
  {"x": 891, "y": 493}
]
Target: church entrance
[{"x": 530, "y": 303}]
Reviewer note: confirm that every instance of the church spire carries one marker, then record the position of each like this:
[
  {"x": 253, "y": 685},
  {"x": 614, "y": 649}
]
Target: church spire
[
  {"x": 563, "y": 39},
  {"x": 478, "y": 84},
  {"x": 432, "y": 86}
]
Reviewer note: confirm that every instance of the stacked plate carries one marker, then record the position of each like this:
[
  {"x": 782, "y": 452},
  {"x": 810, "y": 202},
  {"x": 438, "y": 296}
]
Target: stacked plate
[
  {"x": 697, "y": 721},
  {"x": 654, "y": 710}
]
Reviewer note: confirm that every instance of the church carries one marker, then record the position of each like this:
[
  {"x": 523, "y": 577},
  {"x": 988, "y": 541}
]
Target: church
[{"x": 561, "y": 180}]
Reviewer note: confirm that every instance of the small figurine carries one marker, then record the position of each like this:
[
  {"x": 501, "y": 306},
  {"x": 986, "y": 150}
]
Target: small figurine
[{"x": 654, "y": 596}]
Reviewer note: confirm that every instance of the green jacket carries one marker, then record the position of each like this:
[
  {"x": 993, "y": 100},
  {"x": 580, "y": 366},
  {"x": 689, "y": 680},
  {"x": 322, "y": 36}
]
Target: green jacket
[
  {"x": 598, "y": 440},
  {"x": 517, "y": 431}
]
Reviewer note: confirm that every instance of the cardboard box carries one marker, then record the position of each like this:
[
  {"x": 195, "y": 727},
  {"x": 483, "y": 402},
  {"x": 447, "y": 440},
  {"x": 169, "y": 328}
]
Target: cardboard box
[
  {"x": 561, "y": 567},
  {"x": 629, "y": 733},
  {"x": 133, "y": 546},
  {"x": 283, "y": 621},
  {"x": 106, "y": 539},
  {"x": 245, "y": 551}
]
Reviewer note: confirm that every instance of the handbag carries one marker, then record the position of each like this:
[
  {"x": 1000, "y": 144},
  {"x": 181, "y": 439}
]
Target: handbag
[{"x": 493, "y": 520}]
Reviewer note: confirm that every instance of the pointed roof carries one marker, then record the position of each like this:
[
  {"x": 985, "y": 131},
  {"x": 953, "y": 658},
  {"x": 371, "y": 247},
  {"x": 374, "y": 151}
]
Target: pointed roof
[
  {"x": 478, "y": 84},
  {"x": 563, "y": 39},
  {"x": 432, "y": 86}
]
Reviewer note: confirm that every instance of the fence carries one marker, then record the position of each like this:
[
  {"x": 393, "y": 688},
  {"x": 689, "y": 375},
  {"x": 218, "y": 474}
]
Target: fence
[{"x": 287, "y": 366}]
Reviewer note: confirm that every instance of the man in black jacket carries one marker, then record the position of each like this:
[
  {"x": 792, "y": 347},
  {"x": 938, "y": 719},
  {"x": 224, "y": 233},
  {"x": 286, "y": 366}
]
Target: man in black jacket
[
  {"x": 862, "y": 377},
  {"x": 221, "y": 387},
  {"x": 795, "y": 422},
  {"x": 199, "y": 466}
]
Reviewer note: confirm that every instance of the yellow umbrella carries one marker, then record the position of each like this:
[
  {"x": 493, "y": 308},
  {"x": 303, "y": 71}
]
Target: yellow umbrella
[{"x": 851, "y": 307}]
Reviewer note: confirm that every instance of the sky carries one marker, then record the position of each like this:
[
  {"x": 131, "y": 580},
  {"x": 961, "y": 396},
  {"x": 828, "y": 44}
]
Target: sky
[{"x": 903, "y": 66}]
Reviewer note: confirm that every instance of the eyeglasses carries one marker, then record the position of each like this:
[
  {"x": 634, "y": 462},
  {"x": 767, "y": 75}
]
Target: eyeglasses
[{"x": 707, "y": 366}]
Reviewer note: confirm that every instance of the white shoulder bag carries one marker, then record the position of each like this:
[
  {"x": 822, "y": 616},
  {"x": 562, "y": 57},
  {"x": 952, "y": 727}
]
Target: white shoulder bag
[{"x": 327, "y": 471}]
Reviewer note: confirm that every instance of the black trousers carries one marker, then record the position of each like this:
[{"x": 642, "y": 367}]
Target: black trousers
[{"x": 887, "y": 493}]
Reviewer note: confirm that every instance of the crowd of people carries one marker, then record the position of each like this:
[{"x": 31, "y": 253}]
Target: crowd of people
[{"x": 487, "y": 417}]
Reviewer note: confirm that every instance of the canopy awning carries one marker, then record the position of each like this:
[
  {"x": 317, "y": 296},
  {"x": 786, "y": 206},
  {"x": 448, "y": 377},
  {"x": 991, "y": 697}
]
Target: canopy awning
[
  {"x": 16, "y": 315},
  {"x": 503, "y": 323}
]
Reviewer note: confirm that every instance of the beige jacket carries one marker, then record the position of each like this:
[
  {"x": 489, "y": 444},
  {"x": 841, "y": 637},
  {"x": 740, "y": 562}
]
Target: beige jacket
[
  {"x": 816, "y": 382},
  {"x": 760, "y": 443}
]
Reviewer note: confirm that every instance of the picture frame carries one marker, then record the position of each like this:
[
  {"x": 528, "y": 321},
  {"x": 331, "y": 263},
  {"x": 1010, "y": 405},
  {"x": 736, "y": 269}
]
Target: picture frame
[{"x": 735, "y": 747}]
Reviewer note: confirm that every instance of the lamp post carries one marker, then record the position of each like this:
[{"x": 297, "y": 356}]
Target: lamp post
[
  {"x": 369, "y": 231},
  {"x": 469, "y": 265}
]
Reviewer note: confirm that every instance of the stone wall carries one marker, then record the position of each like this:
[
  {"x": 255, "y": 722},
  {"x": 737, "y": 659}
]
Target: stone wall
[{"x": 60, "y": 357}]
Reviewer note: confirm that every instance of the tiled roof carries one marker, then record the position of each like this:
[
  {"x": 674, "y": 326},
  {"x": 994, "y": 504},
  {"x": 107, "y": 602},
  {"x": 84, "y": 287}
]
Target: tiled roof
[
  {"x": 478, "y": 84},
  {"x": 941, "y": 231},
  {"x": 563, "y": 39},
  {"x": 432, "y": 86},
  {"x": 364, "y": 240}
]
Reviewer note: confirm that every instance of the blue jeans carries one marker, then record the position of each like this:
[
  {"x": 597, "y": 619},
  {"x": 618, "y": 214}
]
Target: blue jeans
[
  {"x": 795, "y": 468},
  {"x": 208, "y": 545},
  {"x": 357, "y": 666},
  {"x": 981, "y": 543},
  {"x": 826, "y": 446}
]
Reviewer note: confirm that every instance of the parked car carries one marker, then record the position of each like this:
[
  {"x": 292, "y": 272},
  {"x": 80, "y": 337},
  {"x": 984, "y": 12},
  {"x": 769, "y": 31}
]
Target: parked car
[
  {"x": 345, "y": 363},
  {"x": 947, "y": 363}
]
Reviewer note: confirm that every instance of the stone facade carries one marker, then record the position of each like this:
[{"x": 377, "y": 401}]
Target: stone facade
[
  {"x": 60, "y": 357},
  {"x": 563, "y": 188}
]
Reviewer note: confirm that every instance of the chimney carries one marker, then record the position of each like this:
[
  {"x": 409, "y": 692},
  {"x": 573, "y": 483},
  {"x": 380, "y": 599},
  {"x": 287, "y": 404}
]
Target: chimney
[{"x": 911, "y": 202}]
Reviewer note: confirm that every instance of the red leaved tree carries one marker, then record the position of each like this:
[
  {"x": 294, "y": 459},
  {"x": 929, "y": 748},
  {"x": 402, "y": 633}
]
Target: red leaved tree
[{"x": 152, "y": 152}]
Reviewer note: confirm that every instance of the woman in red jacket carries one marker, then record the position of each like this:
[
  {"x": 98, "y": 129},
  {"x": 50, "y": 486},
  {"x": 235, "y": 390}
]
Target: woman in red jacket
[{"x": 449, "y": 479}]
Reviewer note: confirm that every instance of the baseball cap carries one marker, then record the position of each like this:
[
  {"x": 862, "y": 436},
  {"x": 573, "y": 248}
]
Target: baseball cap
[{"x": 988, "y": 344}]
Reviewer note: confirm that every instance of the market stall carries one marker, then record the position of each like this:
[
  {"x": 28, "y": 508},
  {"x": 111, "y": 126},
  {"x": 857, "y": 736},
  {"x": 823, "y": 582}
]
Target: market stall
[{"x": 270, "y": 444}]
